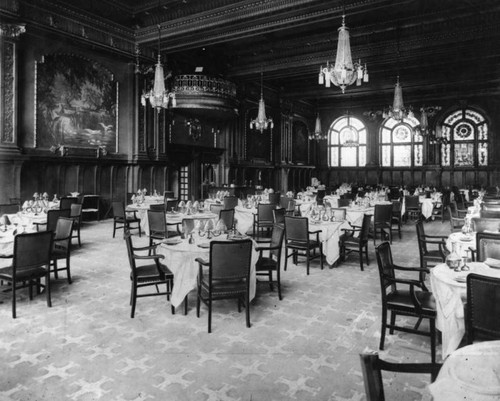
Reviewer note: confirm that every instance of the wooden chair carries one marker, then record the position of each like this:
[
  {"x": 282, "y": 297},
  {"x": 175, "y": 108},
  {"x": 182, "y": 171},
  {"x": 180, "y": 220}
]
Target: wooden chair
[
  {"x": 227, "y": 217},
  {"x": 67, "y": 201},
  {"x": 216, "y": 208},
  {"x": 168, "y": 195},
  {"x": 488, "y": 248},
  {"x": 457, "y": 216},
  {"x": 412, "y": 205},
  {"x": 157, "y": 226},
  {"x": 298, "y": 240},
  {"x": 147, "y": 275},
  {"x": 339, "y": 213},
  {"x": 344, "y": 202},
  {"x": 125, "y": 219},
  {"x": 263, "y": 220},
  {"x": 267, "y": 264},
  {"x": 30, "y": 263},
  {"x": 372, "y": 367},
  {"x": 274, "y": 198},
  {"x": 482, "y": 310},
  {"x": 397, "y": 216},
  {"x": 411, "y": 302},
  {"x": 382, "y": 221},
  {"x": 76, "y": 215},
  {"x": 171, "y": 205},
  {"x": 279, "y": 216},
  {"x": 52, "y": 217},
  {"x": 62, "y": 246},
  {"x": 226, "y": 275},
  {"x": 430, "y": 257},
  {"x": 481, "y": 224},
  {"x": 351, "y": 243},
  {"x": 91, "y": 206}
]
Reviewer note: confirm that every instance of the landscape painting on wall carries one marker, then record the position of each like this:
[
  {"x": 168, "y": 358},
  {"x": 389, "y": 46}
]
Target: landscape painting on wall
[{"x": 77, "y": 104}]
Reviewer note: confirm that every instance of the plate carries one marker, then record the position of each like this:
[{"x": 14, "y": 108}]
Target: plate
[
  {"x": 461, "y": 279},
  {"x": 173, "y": 241},
  {"x": 204, "y": 245},
  {"x": 465, "y": 239}
]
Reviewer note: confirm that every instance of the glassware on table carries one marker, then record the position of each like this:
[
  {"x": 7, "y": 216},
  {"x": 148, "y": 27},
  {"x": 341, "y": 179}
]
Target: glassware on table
[
  {"x": 466, "y": 259},
  {"x": 453, "y": 259}
]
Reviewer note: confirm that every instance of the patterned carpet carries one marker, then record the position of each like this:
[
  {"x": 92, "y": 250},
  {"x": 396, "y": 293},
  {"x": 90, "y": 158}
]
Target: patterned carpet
[{"x": 305, "y": 347}]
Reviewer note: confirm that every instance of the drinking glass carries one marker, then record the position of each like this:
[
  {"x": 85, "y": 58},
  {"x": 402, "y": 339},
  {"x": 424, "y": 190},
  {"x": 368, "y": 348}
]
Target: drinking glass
[{"x": 466, "y": 259}]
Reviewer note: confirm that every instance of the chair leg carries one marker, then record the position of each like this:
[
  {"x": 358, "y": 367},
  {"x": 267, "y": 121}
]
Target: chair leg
[
  {"x": 286, "y": 259},
  {"x": 278, "y": 283},
  {"x": 393, "y": 322},
  {"x": 134, "y": 299},
  {"x": 270, "y": 276},
  {"x": 47, "y": 288},
  {"x": 198, "y": 302},
  {"x": 68, "y": 270},
  {"x": 321, "y": 254},
  {"x": 114, "y": 228},
  {"x": 186, "y": 305},
  {"x": 432, "y": 325},
  {"x": 56, "y": 274},
  {"x": 366, "y": 254},
  {"x": 247, "y": 306},
  {"x": 209, "y": 314},
  {"x": 13, "y": 300},
  {"x": 383, "y": 329},
  {"x": 361, "y": 258},
  {"x": 307, "y": 261}
]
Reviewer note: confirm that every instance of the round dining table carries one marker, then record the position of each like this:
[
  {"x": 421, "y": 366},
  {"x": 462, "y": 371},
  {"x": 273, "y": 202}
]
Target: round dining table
[
  {"x": 470, "y": 373},
  {"x": 450, "y": 292},
  {"x": 464, "y": 243},
  {"x": 180, "y": 258},
  {"x": 329, "y": 236}
]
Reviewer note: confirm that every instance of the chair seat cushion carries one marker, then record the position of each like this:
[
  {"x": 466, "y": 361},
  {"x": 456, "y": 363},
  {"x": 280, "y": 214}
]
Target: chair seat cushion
[
  {"x": 266, "y": 263},
  {"x": 348, "y": 240},
  {"x": 401, "y": 299},
  {"x": 58, "y": 253},
  {"x": 224, "y": 288},
  {"x": 22, "y": 274},
  {"x": 302, "y": 245},
  {"x": 147, "y": 273},
  {"x": 434, "y": 255}
]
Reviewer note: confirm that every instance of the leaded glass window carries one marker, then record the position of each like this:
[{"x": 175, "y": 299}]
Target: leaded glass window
[
  {"x": 347, "y": 142},
  {"x": 400, "y": 144},
  {"x": 466, "y": 139}
]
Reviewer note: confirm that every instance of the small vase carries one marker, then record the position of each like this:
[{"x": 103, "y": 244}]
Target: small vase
[{"x": 453, "y": 259}]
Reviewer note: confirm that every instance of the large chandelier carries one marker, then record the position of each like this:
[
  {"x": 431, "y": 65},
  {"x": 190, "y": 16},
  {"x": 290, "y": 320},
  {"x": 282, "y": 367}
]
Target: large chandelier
[
  {"x": 344, "y": 72},
  {"x": 398, "y": 111},
  {"x": 318, "y": 134},
  {"x": 261, "y": 123},
  {"x": 159, "y": 97}
]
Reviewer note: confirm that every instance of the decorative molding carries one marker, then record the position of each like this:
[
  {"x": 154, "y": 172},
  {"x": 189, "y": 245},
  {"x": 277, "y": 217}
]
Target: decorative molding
[{"x": 12, "y": 30}]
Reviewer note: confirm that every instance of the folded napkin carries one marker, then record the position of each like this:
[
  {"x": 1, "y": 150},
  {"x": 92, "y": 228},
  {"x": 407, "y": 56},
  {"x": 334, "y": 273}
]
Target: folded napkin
[
  {"x": 189, "y": 204},
  {"x": 5, "y": 220},
  {"x": 181, "y": 204}
]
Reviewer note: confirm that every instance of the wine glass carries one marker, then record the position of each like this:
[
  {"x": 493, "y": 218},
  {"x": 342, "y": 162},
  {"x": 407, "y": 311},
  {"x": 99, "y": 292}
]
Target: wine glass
[{"x": 466, "y": 258}]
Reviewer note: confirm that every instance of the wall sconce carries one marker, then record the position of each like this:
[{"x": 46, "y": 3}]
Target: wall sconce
[{"x": 194, "y": 128}]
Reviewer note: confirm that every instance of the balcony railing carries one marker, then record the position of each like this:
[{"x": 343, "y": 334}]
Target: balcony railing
[{"x": 204, "y": 85}]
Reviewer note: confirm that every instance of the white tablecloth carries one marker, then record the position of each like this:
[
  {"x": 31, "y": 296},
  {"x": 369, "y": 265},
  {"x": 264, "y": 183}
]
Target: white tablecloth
[
  {"x": 462, "y": 243},
  {"x": 450, "y": 296},
  {"x": 180, "y": 259},
  {"x": 470, "y": 373},
  {"x": 244, "y": 218},
  {"x": 329, "y": 236}
]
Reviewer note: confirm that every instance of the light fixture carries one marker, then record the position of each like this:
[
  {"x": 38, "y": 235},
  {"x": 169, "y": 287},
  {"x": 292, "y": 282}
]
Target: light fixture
[
  {"x": 398, "y": 111},
  {"x": 194, "y": 128},
  {"x": 344, "y": 72},
  {"x": 261, "y": 122},
  {"x": 159, "y": 97},
  {"x": 318, "y": 134}
]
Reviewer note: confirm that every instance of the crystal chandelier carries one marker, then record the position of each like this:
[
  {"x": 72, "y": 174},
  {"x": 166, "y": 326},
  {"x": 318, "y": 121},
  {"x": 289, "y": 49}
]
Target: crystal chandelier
[
  {"x": 344, "y": 72},
  {"x": 159, "y": 97},
  {"x": 261, "y": 122},
  {"x": 317, "y": 135},
  {"x": 398, "y": 110}
]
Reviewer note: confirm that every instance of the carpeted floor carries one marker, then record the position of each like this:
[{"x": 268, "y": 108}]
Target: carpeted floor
[{"x": 305, "y": 347}]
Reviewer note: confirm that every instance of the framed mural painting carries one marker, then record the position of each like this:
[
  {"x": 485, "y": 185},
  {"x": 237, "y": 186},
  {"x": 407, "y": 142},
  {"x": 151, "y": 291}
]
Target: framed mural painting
[{"x": 76, "y": 105}]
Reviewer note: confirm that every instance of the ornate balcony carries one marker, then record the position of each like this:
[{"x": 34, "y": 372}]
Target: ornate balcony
[{"x": 207, "y": 96}]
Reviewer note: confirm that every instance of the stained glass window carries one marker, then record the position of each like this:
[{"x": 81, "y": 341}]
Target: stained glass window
[
  {"x": 347, "y": 142},
  {"x": 466, "y": 139},
  {"x": 400, "y": 144}
]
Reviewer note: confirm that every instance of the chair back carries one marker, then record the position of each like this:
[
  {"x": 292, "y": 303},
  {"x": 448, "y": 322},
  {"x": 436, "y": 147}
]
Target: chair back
[
  {"x": 279, "y": 216},
  {"x": 284, "y": 202},
  {"x": 31, "y": 250},
  {"x": 230, "y": 260},
  {"x": 412, "y": 202},
  {"x": 157, "y": 222},
  {"x": 372, "y": 367},
  {"x": 385, "y": 268},
  {"x": 482, "y": 319},
  {"x": 490, "y": 214},
  {"x": 53, "y": 216},
  {"x": 383, "y": 214},
  {"x": 227, "y": 217},
  {"x": 422, "y": 245},
  {"x": 396, "y": 208},
  {"x": 296, "y": 229},
  {"x": 343, "y": 202},
  {"x": 76, "y": 211},
  {"x": 171, "y": 204},
  {"x": 265, "y": 211},
  {"x": 277, "y": 241},
  {"x": 339, "y": 213},
  {"x": 168, "y": 195},
  {"x": 157, "y": 207},
  {"x": 230, "y": 202},
  {"x": 216, "y": 208},
  {"x": 365, "y": 228},
  {"x": 63, "y": 229},
  {"x": 487, "y": 246},
  {"x": 67, "y": 201},
  {"x": 130, "y": 251},
  {"x": 274, "y": 198},
  {"x": 481, "y": 224},
  {"x": 118, "y": 209}
]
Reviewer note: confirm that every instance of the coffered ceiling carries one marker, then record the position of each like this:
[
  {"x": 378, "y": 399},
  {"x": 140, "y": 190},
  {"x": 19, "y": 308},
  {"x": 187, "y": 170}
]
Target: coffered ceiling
[{"x": 445, "y": 48}]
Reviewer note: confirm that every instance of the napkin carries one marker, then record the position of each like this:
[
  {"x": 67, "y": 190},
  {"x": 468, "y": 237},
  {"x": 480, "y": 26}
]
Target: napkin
[{"x": 5, "y": 220}]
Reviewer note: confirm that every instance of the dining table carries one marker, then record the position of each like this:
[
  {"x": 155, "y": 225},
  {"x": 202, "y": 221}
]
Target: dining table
[
  {"x": 179, "y": 256},
  {"x": 450, "y": 292},
  {"x": 329, "y": 236},
  {"x": 469, "y": 373}
]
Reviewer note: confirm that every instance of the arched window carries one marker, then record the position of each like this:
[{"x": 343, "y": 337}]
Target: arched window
[
  {"x": 347, "y": 142},
  {"x": 401, "y": 145},
  {"x": 466, "y": 139}
]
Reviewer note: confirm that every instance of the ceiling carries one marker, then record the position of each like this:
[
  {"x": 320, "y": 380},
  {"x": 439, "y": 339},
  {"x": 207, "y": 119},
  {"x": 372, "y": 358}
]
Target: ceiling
[{"x": 440, "y": 49}]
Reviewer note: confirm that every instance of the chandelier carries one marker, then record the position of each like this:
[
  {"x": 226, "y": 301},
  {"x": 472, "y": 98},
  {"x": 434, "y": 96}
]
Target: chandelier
[
  {"x": 318, "y": 134},
  {"x": 261, "y": 122},
  {"x": 435, "y": 136},
  {"x": 159, "y": 97},
  {"x": 398, "y": 111},
  {"x": 344, "y": 72}
]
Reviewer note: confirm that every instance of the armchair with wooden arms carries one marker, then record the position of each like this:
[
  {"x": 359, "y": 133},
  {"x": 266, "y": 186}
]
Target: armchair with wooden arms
[
  {"x": 266, "y": 265},
  {"x": 457, "y": 216},
  {"x": 61, "y": 249},
  {"x": 153, "y": 273},
  {"x": 298, "y": 240},
  {"x": 355, "y": 239},
  {"x": 404, "y": 302},
  {"x": 429, "y": 257}
]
